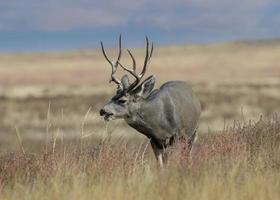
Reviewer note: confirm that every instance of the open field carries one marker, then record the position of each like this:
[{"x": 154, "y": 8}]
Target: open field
[
  {"x": 227, "y": 62},
  {"x": 239, "y": 163},
  {"x": 53, "y": 144},
  {"x": 68, "y": 106},
  {"x": 235, "y": 81}
]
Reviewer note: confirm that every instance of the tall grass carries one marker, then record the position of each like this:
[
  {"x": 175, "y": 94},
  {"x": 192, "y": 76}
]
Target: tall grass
[{"x": 241, "y": 162}]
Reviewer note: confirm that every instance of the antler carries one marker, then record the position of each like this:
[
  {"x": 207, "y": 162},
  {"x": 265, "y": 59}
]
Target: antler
[
  {"x": 133, "y": 72},
  {"x": 114, "y": 65}
]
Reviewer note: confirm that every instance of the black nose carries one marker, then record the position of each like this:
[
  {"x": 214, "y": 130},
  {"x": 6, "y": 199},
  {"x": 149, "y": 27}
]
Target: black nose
[{"x": 102, "y": 112}]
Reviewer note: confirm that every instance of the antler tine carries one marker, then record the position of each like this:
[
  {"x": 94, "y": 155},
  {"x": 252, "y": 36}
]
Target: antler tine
[
  {"x": 152, "y": 50},
  {"x": 133, "y": 60},
  {"x": 104, "y": 53},
  {"x": 114, "y": 65},
  {"x": 147, "y": 57},
  {"x": 133, "y": 71},
  {"x": 120, "y": 49}
]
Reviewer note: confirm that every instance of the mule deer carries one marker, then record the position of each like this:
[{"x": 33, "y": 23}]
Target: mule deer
[{"x": 163, "y": 114}]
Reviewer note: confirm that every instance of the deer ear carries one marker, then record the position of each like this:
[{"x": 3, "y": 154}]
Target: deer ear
[
  {"x": 145, "y": 88},
  {"x": 125, "y": 82}
]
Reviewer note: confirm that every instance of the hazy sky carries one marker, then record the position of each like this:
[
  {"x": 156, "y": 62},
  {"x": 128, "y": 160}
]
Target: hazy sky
[{"x": 31, "y": 25}]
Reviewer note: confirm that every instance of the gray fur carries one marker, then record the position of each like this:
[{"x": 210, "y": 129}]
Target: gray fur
[{"x": 163, "y": 114}]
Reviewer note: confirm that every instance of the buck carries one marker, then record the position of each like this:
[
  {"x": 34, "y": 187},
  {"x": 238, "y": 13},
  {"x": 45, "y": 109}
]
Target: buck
[{"x": 163, "y": 115}]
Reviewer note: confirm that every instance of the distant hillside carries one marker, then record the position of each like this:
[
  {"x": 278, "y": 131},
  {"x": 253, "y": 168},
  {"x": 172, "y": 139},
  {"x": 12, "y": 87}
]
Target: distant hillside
[
  {"x": 259, "y": 42},
  {"x": 239, "y": 61}
]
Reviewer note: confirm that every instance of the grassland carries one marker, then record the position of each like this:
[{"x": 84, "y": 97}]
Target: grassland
[
  {"x": 226, "y": 62},
  {"x": 53, "y": 144},
  {"x": 241, "y": 162}
]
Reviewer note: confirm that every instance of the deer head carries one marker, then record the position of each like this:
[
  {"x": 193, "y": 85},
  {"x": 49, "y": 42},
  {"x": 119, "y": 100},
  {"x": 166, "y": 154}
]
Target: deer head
[{"x": 129, "y": 96}]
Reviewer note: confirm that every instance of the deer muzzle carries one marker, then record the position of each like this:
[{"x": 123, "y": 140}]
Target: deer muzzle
[{"x": 107, "y": 115}]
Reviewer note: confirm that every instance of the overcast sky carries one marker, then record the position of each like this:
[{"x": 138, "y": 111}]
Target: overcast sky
[{"x": 43, "y": 25}]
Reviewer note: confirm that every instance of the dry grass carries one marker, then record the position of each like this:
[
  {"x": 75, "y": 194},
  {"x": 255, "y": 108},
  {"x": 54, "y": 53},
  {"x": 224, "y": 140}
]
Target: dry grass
[
  {"x": 233, "y": 80},
  {"x": 53, "y": 146},
  {"x": 242, "y": 162},
  {"x": 27, "y": 109}
]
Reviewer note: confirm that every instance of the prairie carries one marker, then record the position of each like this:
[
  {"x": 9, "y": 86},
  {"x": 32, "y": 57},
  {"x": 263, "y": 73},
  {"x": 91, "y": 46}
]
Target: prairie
[
  {"x": 53, "y": 144},
  {"x": 241, "y": 162}
]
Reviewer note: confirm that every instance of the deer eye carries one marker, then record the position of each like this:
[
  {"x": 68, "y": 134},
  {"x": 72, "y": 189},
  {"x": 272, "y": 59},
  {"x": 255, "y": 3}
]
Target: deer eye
[{"x": 121, "y": 101}]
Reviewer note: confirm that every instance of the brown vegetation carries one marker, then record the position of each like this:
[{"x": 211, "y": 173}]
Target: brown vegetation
[
  {"x": 241, "y": 162},
  {"x": 53, "y": 144},
  {"x": 232, "y": 62}
]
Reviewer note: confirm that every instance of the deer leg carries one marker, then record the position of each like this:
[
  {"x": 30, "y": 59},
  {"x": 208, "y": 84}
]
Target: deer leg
[
  {"x": 187, "y": 142},
  {"x": 159, "y": 152},
  {"x": 190, "y": 141}
]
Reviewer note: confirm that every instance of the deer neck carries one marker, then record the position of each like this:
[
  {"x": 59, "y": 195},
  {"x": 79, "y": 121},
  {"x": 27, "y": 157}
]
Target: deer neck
[
  {"x": 136, "y": 115},
  {"x": 138, "y": 121}
]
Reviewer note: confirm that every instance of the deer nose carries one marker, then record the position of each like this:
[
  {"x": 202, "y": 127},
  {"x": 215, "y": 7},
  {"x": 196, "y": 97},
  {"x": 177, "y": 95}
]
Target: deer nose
[{"x": 102, "y": 112}]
